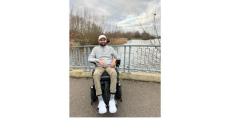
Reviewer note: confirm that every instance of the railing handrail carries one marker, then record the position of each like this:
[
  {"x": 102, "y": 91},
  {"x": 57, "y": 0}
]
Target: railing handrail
[{"x": 120, "y": 46}]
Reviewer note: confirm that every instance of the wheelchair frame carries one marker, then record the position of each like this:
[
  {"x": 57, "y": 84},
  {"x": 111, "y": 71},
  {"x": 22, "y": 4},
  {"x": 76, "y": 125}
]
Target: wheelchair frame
[{"x": 105, "y": 86}]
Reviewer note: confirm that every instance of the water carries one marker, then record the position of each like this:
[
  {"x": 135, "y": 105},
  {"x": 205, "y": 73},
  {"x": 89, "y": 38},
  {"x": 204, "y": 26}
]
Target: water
[{"x": 140, "y": 58}]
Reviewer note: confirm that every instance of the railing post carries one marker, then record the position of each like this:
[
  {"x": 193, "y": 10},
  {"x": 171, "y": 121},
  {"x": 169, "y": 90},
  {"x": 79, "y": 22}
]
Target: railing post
[
  {"x": 124, "y": 57},
  {"x": 70, "y": 56},
  {"x": 88, "y": 52},
  {"x": 78, "y": 53},
  {"x": 74, "y": 57},
  {"x": 85, "y": 58},
  {"x": 129, "y": 58}
]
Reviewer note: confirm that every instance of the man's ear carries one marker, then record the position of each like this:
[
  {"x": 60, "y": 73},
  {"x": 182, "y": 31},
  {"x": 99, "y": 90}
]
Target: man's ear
[{"x": 108, "y": 41}]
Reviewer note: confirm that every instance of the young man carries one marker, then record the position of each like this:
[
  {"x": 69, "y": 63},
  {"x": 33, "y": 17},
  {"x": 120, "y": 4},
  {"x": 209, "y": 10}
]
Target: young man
[{"x": 105, "y": 58}]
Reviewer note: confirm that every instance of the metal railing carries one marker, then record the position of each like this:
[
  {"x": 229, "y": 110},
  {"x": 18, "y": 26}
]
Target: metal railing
[{"x": 146, "y": 58}]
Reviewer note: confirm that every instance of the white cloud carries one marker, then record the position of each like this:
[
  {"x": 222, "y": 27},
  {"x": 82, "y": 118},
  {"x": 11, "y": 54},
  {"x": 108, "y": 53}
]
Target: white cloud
[
  {"x": 145, "y": 20},
  {"x": 127, "y": 15}
]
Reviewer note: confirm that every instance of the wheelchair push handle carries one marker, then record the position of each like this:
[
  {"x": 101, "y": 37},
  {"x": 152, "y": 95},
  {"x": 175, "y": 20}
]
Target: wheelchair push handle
[
  {"x": 93, "y": 63},
  {"x": 118, "y": 62}
]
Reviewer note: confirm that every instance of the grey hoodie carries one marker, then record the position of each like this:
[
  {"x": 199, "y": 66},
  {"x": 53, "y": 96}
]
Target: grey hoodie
[{"x": 107, "y": 53}]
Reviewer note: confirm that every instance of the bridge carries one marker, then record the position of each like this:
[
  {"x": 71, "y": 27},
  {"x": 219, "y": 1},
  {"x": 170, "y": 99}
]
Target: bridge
[{"x": 140, "y": 85}]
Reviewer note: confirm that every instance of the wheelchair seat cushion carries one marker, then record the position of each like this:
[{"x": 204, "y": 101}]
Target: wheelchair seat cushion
[{"x": 105, "y": 75}]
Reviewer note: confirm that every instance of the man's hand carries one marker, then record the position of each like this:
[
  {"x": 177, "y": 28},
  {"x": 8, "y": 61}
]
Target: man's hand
[
  {"x": 113, "y": 63},
  {"x": 101, "y": 62}
]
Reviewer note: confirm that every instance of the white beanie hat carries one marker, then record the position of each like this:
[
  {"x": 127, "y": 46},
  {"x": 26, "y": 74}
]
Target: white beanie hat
[{"x": 102, "y": 36}]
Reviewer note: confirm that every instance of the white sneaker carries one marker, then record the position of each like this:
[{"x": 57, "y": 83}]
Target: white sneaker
[
  {"x": 112, "y": 106},
  {"x": 102, "y": 107}
]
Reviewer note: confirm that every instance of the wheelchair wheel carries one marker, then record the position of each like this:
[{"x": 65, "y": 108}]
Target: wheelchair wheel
[
  {"x": 93, "y": 94},
  {"x": 106, "y": 92},
  {"x": 118, "y": 92}
]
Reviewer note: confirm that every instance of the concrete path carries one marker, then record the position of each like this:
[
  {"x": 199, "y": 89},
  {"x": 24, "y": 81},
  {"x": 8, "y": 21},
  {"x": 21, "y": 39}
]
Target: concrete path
[{"x": 140, "y": 99}]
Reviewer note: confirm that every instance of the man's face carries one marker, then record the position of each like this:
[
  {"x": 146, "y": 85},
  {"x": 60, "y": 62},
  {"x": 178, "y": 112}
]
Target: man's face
[{"x": 102, "y": 41}]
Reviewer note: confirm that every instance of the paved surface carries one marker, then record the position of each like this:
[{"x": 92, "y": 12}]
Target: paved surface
[{"x": 140, "y": 99}]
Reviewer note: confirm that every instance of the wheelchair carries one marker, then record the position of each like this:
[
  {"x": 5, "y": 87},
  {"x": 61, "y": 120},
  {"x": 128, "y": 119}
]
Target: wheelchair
[{"x": 105, "y": 86}]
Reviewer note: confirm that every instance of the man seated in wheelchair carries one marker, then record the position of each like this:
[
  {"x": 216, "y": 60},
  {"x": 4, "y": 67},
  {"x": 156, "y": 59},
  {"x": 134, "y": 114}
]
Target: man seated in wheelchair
[{"x": 104, "y": 57}]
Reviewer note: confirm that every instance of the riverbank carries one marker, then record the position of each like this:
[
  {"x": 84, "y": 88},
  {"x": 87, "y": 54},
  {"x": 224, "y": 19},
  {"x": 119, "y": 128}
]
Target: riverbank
[
  {"x": 118, "y": 41},
  {"x": 113, "y": 41}
]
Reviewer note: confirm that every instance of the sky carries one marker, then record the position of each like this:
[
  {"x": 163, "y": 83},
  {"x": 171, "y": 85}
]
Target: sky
[{"x": 125, "y": 15}]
